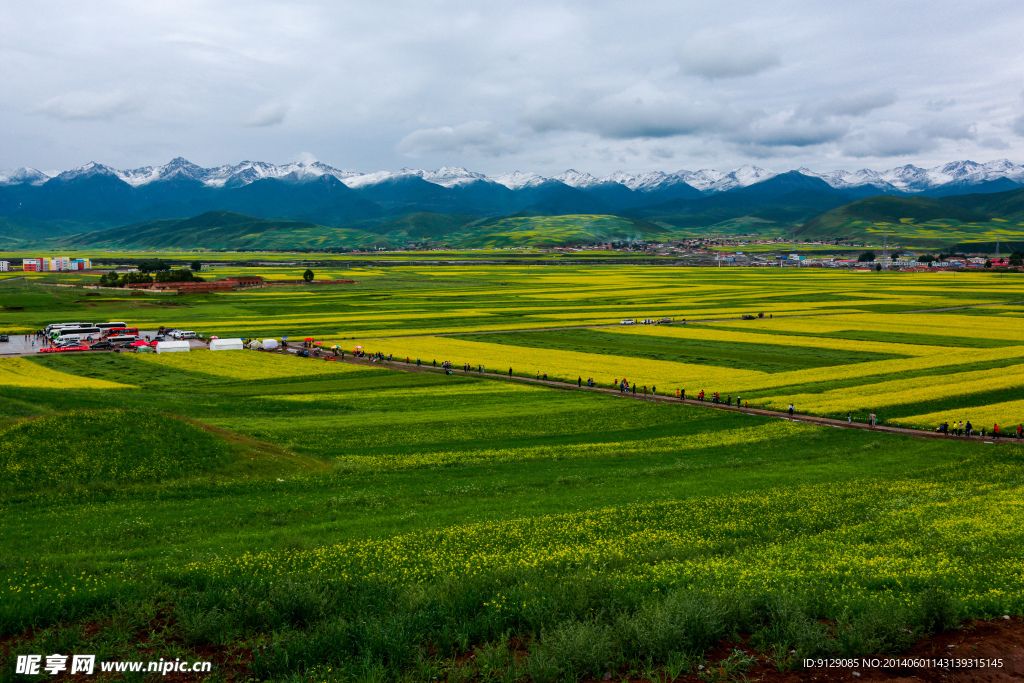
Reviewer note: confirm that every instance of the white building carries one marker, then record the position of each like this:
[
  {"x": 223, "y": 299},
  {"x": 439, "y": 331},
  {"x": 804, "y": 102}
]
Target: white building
[{"x": 5, "y": 266}]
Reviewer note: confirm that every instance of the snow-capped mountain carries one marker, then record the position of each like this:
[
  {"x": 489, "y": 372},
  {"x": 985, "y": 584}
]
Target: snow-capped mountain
[
  {"x": 574, "y": 178},
  {"x": 19, "y": 176},
  {"x": 908, "y": 178},
  {"x": 517, "y": 181}
]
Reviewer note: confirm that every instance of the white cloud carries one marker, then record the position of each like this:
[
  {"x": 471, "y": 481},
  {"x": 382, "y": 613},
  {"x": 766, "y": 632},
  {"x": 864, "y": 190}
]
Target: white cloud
[{"x": 82, "y": 105}]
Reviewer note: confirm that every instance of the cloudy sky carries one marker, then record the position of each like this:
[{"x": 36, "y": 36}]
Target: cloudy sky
[{"x": 497, "y": 86}]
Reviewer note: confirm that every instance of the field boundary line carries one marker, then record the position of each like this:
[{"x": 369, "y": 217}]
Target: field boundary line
[
  {"x": 763, "y": 412},
  {"x": 694, "y": 321}
]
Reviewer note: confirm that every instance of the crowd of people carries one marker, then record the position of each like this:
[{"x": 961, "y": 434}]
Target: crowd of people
[
  {"x": 956, "y": 428},
  {"x": 961, "y": 428}
]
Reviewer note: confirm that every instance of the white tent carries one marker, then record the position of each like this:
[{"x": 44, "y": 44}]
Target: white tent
[
  {"x": 172, "y": 346},
  {"x": 227, "y": 345},
  {"x": 270, "y": 344}
]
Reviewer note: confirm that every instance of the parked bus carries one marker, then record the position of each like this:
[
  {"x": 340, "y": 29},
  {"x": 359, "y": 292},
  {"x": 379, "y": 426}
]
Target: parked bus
[
  {"x": 110, "y": 326},
  {"x": 133, "y": 331},
  {"x": 56, "y": 326},
  {"x": 81, "y": 331}
]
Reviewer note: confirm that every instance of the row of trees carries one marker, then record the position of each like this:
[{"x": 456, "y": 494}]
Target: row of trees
[
  {"x": 112, "y": 279},
  {"x": 156, "y": 265}
]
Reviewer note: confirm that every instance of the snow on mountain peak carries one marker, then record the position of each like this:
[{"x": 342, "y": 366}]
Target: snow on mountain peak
[
  {"x": 21, "y": 176},
  {"x": 907, "y": 178},
  {"x": 516, "y": 180},
  {"x": 574, "y": 178}
]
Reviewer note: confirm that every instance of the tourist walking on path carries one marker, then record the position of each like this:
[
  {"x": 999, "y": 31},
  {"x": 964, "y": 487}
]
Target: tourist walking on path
[
  {"x": 969, "y": 429},
  {"x": 995, "y": 431},
  {"x": 791, "y": 410},
  {"x": 510, "y": 372}
]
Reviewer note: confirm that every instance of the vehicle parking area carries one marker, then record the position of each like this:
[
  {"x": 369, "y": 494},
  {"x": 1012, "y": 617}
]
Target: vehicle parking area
[{"x": 19, "y": 345}]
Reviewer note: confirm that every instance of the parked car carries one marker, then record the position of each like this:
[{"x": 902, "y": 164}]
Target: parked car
[
  {"x": 101, "y": 346},
  {"x": 628, "y": 321},
  {"x": 665, "y": 321},
  {"x": 160, "y": 338},
  {"x": 125, "y": 345},
  {"x": 183, "y": 334},
  {"x": 749, "y": 317},
  {"x": 3, "y": 338}
]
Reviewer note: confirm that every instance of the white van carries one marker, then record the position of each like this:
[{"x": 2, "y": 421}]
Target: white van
[
  {"x": 183, "y": 334},
  {"x": 628, "y": 321}
]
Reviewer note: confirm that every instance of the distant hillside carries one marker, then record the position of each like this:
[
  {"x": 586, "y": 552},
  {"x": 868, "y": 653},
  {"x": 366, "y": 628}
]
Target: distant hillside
[
  {"x": 230, "y": 231},
  {"x": 541, "y": 231},
  {"x": 218, "y": 230},
  {"x": 965, "y": 219}
]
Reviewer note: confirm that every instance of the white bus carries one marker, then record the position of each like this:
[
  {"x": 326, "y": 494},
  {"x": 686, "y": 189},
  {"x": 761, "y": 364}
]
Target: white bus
[
  {"x": 107, "y": 326},
  {"x": 58, "y": 326},
  {"x": 79, "y": 331},
  {"x": 118, "y": 338}
]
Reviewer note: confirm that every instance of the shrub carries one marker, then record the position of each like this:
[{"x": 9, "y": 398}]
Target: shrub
[{"x": 572, "y": 650}]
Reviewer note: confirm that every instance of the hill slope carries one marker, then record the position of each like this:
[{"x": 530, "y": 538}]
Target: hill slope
[
  {"x": 218, "y": 230},
  {"x": 228, "y": 230},
  {"x": 923, "y": 221}
]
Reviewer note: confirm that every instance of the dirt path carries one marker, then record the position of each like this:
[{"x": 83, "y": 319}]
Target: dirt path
[{"x": 566, "y": 386}]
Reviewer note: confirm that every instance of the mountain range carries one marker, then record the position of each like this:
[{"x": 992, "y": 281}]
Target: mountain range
[
  {"x": 35, "y": 206},
  {"x": 903, "y": 179}
]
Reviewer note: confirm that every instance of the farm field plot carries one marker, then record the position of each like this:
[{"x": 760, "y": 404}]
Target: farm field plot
[
  {"x": 333, "y": 495},
  {"x": 408, "y": 301},
  {"x": 302, "y": 520}
]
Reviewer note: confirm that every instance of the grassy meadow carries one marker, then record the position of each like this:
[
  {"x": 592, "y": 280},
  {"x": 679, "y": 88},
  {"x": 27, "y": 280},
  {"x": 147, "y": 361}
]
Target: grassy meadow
[{"x": 301, "y": 520}]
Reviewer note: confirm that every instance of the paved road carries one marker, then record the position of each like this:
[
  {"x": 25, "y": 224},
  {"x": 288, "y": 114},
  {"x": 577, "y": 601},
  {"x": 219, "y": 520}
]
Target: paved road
[{"x": 563, "y": 386}]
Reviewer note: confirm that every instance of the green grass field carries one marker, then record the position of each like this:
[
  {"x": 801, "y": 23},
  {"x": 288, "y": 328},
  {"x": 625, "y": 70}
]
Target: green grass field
[{"x": 295, "y": 519}]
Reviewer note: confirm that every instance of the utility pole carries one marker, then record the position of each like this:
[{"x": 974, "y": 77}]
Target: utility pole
[{"x": 997, "y": 245}]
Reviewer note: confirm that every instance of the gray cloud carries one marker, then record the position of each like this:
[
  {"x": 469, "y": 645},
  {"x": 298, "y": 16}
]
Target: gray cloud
[
  {"x": 481, "y": 136},
  {"x": 940, "y": 104},
  {"x": 856, "y": 104},
  {"x": 641, "y": 111},
  {"x": 538, "y": 85},
  {"x": 895, "y": 139},
  {"x": 994, "y": 143},
  {"x": 1017, "y": 125},
  {"x": 270, "y": 114},
  {"x": 82, "y": 105},
  {"x": 727, "y": 53}
]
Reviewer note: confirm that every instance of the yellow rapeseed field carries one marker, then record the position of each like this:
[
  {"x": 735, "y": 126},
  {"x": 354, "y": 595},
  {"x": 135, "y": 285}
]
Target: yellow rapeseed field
[{"x": 22, "y": 372}]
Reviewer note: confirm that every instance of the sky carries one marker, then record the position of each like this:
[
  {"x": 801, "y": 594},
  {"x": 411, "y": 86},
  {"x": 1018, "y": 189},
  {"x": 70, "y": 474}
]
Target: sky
[{"x": 541, "y": 86}]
